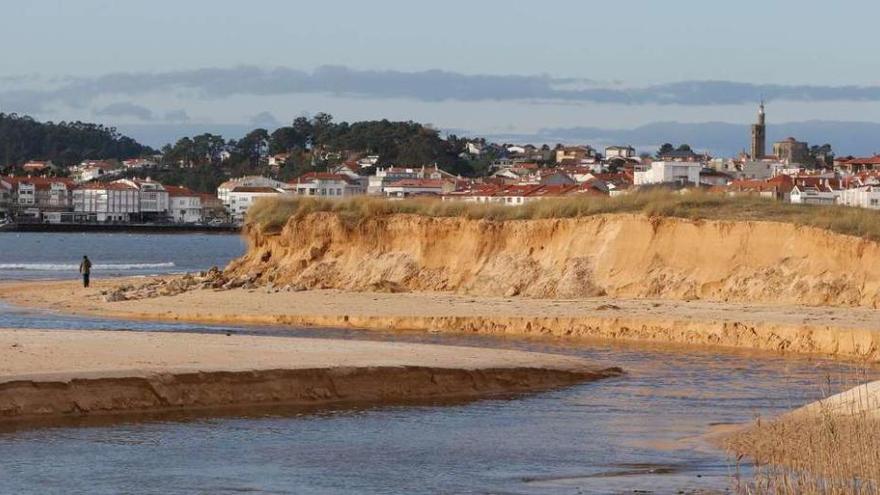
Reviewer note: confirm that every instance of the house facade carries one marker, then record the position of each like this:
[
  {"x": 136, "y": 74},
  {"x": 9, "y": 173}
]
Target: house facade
[
  {"x": 325, "y": 185},
  {"x": 105, "y": 202},
  {"x": 184, "y": 205},
  {"x": 662, "y": 172},
  {"x": 241, "y": 198}
]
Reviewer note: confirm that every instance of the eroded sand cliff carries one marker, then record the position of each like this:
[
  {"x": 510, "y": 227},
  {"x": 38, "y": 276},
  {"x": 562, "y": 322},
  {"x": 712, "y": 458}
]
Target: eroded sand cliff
[{"x": 626, "y": 256}]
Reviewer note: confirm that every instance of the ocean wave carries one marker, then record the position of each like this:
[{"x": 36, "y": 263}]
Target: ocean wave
[{"x": 60, "y": 267}]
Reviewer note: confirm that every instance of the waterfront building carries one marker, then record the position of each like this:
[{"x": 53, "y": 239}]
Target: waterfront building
[
  {"x": 105, "y": 202},
  {"x": 184, "y": 205},
  {"x": 223, "y": 191},
  {"x": 152, "y": 196},
  {"x": 241, "y": 198}
]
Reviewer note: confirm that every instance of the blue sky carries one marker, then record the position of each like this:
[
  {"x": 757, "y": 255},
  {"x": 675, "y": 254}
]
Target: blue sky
[{"x": 482, "y": 66}]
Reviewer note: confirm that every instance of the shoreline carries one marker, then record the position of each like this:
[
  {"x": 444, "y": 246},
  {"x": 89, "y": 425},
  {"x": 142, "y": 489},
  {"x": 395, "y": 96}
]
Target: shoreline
[
  {"x": 851, "y": 334},
  {"x": 49, "y": 375}
]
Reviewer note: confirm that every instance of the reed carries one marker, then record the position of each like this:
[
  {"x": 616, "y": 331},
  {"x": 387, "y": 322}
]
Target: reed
[{"x": 829, "y": 451}]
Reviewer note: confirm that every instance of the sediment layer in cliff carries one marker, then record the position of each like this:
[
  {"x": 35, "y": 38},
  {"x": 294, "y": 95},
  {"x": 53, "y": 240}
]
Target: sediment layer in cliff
[{"x": 626, "y": 256}]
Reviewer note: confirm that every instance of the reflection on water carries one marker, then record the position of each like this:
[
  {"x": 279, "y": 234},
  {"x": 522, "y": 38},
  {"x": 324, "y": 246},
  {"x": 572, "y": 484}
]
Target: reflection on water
[{"x": 637, "y": 432}]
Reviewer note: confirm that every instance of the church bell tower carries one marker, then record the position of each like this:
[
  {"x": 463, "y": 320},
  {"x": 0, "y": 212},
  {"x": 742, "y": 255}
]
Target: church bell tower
[{"x": 759, "y": 136}]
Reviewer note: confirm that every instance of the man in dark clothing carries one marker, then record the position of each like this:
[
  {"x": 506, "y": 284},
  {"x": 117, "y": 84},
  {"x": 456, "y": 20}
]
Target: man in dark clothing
[{"x": 85, "y": 268}]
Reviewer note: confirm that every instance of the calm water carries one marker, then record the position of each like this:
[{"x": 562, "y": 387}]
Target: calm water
[
  {"x": 637, "y": 432},
  {"x": 54, "y": 255}
]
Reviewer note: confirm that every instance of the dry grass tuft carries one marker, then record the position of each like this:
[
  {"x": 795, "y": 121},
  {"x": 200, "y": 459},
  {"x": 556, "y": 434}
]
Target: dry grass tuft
[
  {"x": 272, "y": 214},
  {"x": 822, "y": 453}
]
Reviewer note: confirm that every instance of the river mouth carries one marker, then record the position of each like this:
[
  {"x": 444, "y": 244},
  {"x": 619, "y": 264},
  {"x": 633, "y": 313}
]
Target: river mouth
[{"x": 639, "y": 433}]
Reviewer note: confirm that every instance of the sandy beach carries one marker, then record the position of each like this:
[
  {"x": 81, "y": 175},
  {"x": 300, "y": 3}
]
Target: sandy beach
[
  {"x": 844, "y": 333},
  {"x": 57, "y": 374}
]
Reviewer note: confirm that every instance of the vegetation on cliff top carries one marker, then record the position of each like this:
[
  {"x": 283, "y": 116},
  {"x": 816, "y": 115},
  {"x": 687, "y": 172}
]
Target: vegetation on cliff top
[{"x": 270, "y": 215}]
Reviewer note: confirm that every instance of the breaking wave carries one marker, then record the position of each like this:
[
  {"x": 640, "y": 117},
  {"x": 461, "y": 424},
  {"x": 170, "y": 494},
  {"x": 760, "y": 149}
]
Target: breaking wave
[{"x": 58, "y": 267}]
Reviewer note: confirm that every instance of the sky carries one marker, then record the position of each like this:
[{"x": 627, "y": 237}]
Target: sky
[{"x": 475, "y": 67}]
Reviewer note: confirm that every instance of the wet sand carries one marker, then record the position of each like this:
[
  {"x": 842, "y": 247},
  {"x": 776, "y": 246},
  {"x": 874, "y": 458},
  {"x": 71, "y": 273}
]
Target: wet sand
[
  {"x": 846, "y": 333},
  {"x": 48, "y": 374}
]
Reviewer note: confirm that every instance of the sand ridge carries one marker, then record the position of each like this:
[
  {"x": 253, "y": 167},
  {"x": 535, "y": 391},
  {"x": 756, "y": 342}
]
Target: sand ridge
[
  {"x": 845, "y": 333},
  {"x": 57, "y": 374}
]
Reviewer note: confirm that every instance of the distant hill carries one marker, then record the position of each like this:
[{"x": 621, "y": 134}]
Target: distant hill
[
  {"x": 718, "y": 138},
  {"x": 66, "y": 143}
]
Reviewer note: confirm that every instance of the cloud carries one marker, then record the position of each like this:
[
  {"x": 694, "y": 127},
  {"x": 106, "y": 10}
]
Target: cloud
[
  {"x": 125, "y": 109},
  {"x": 430, "y": 86}
]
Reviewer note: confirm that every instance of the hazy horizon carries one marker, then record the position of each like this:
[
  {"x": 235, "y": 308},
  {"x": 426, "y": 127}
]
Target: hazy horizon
[{"x": 488, "y": 69}]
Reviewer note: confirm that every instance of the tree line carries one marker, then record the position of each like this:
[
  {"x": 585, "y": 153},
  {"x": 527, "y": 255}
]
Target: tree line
[{"x": 65, "y": 143}]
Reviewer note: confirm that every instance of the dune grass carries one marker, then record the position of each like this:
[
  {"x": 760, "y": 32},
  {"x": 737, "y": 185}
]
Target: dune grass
[{"x": 272, "y": 214}]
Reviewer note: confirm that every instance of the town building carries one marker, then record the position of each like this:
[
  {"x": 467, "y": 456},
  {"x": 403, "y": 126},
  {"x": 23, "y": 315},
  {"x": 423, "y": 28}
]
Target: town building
[
  {"x": 105, "y": 202},
  {"x": 790, "y": 150},
  {"x": 575, "y": 154},
  {"x": 814, "y": 195},
  {"x": 241, "y": 198},
  {"x": 37, "y": 167},
  {"x": 153, "y": 199},
  {"x": 619, "y": 152},
  {"x": 682, "y": 155},
  {"x": 225, "y": 188},
  {"x": 385, "y": 176},
  {"x": 663, "y": 172},
  {"x": 184, "y": 205},
  {"x": 36, "y": 198},
  {"x": 405, "y": 188},
  {"x": 861, "y": 197},
  {"x": 325, "y": 185},
  {"x": 90, "y": 170},
  {"x": 138, "y": 163}
]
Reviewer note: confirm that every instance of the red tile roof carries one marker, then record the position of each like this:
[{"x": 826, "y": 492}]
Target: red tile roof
[{"x": 179, "y": 191}]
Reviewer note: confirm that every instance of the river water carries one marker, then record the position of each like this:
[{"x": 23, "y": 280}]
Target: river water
[{"x": 639, "y": 432}]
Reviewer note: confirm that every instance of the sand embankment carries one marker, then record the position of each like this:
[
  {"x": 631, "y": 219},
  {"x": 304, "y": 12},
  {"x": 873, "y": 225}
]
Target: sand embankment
[
  {"x": 620, "y": 255},
  {"x": 57, "y": 374},
  {"x": 846, "y": 333}
]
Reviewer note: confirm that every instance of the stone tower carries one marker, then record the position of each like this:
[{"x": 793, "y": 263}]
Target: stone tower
[{"x": 759, "y": 136}]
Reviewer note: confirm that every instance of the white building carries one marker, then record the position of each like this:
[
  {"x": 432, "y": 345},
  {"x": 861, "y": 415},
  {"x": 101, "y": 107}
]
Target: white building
[
  {"x": 110, "y": 202},
  {"x": 152, "y": 196},
  {"x": 136, "y": 163},
  {"x": 385, "y": 176},
  {"x": 90, "y": 170},
  {"x": 184, "y": 205},
  {"x": 241, "y": 198},
  {"x": 368, "y": 161},
  {"x": 620, "y": 152},
  {"x": 862, "y": 197},
  {"x": 325, "y": 185},
  {"x": 668, "y": 173},
  {"x": 405, "y": 188},
  {"x": 814, "y": 195},
  {"x": 247, "y": 181}
]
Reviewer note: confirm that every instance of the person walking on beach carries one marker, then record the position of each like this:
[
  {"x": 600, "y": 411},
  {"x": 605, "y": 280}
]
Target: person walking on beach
[{"x": 85, "y": 268}]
